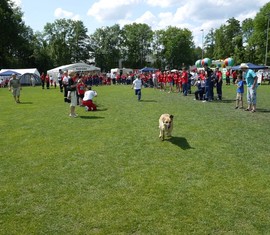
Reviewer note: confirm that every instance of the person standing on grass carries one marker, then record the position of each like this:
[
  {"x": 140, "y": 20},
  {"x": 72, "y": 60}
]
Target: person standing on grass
[
  {"x": 72, "y": 88},
  {"x": 208, "y": 80},
  {"x": 80, "y": 91},
  {"x": 185, "y": 81},
  {"x": 251, "y": 81},
  {"x": 240, "y": 92},
  {"x": 218, "y": 76},
  {"x": 65, "y": 85},
  {"x": 14, "y": 85},
  {"x": 59, "y": 78},
  {"x": 137, "y": 86}
]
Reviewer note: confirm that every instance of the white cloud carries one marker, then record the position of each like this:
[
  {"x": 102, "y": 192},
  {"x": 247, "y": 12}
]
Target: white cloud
[
  {"x": 112, "y": 10},
  {"x": 162, "y": 3},
  {"x": 147, "y": 18},
  {"x": 60, "y": 13}
]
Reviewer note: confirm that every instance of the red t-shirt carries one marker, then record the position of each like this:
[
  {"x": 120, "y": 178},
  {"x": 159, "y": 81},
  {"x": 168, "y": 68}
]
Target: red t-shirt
[{"x": 184, "y": 77}]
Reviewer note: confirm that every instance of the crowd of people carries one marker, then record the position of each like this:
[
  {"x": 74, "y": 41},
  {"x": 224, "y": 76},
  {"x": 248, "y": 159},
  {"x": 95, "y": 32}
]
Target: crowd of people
[{"x": 77, "y": 88}]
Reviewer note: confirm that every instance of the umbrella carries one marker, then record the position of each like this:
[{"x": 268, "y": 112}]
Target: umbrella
[{"x": 9, "y": 73}]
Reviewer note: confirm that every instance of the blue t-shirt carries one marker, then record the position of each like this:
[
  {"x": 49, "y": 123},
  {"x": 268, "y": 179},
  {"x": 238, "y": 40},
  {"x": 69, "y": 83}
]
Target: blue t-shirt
[
  {"x": 250, "y": 77},
  {"x": 240, "y": 87}
]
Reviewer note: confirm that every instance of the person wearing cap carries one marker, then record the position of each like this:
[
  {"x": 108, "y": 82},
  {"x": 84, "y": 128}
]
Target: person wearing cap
[
  {"x": 14, "y": 85},
  {"x": 251, "y": 81}
]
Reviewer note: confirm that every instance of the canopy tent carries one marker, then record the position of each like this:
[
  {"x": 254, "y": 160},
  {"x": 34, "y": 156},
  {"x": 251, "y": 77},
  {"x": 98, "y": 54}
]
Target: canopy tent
[
  {"x": 251, "y": 66},
  {"x": 24, "y": 74},
  {"x": 147, "y": 69},
  {"x": 77, "y": 67},
  {"x": 8, "y": 73}
]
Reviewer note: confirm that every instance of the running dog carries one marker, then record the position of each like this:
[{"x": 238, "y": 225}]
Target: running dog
[{"x": 165, "y": 125}]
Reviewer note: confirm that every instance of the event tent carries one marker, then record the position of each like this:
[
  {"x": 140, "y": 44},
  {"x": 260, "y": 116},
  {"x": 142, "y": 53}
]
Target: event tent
[
  {"x": 77, "y": 67},
  {"x": 251, "y": 66},
  {"x": 25, "y": 75},
  {"x": 8, "y": 73}
]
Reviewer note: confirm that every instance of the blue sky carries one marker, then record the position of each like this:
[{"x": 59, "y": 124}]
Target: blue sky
[{"x": 158, "y": 14}]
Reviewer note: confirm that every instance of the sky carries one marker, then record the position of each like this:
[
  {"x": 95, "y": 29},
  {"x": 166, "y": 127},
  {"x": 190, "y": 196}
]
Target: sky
[{"x": 199, "y": 16}]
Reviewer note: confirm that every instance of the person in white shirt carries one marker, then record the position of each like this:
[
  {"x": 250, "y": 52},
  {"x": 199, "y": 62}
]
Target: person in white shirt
[
  {"x": 137, "y": 86},
  {"x": 88, "y": 99}
]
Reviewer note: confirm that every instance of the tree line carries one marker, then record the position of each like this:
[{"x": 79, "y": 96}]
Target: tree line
[{"x": 135, "y": 45}]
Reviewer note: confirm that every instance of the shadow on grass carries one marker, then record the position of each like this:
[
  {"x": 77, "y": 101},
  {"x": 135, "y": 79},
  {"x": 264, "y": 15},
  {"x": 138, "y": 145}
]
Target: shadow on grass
[
  {"x": 180, "y": 142},
  {"x": 91, "y": 117},
  {"x": 101, "y": 110},
  {"x": 148, "y": 101},
  {"x": 26, "y": 102},
  {"x": 227, "y": 101},
  {"x": 263, "y": 110}
]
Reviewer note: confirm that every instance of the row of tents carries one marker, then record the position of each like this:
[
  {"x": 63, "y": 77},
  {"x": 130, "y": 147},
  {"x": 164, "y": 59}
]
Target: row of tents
[{"x": 26, "y": 74}]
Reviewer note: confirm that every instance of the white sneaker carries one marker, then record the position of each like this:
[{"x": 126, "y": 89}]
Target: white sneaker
[
  {"x": 73, "y": 115},
  {"x": 86, "y": 108}
]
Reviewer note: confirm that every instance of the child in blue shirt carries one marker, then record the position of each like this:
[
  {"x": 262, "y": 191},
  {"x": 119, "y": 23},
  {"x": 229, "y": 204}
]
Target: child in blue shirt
[{"x": 240, "y": 92}]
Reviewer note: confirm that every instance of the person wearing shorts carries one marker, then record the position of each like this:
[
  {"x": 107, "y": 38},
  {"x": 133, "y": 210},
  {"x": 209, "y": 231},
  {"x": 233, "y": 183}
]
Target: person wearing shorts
[
  {"x": 14, "y": 85},
  {"x": 251, "y": 81}
]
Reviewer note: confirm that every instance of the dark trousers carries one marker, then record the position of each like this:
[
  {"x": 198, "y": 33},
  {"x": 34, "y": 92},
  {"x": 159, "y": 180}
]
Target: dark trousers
[
  {"x": 199, "y": 94},
  {"x": 219, "y": 90},
  {"x": 60, "y": 85},
  {"x": 138, "y": 93}
]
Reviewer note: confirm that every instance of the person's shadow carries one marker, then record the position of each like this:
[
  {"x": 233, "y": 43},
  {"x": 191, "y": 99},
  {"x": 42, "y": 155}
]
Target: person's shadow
[{"x": 180, "y": 142}]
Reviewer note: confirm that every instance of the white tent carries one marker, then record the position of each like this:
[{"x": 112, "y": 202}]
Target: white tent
[
  {"x": 77, "y": 67},
  {"x": 26, "y": 75}
]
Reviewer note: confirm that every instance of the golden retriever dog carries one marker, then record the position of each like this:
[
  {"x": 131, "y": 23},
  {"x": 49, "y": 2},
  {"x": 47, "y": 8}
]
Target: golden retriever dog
[{"x": 165, "y": 125}]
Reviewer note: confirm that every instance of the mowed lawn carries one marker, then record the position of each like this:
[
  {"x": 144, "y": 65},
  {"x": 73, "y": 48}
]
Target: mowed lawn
[{"x": 107, "y": 172}]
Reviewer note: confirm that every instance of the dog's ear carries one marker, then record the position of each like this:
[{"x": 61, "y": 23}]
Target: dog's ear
[{"x": 171, "y": 116}]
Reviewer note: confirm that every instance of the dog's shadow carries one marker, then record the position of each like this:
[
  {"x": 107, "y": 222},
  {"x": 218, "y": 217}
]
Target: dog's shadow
[{"x": 180, "y": 142}]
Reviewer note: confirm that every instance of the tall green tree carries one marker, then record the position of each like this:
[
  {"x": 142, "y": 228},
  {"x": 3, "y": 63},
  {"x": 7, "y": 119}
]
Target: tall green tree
[
  {"x": 106, "y": 47},
  {"x": 16, "y": 37},
  {"x": 137, "y": 39},
  {"x": 177, "y": 47},
  {"x": 67, "y": 41},
  {"x": 249, "y": 46},
  {"x": 259, "y": 37},
  {"x": 209, "y": 44}
]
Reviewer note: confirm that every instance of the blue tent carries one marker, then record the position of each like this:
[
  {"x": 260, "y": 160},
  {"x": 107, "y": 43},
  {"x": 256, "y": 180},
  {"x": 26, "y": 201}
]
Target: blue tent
[
  {"x": 251, "y": 66},
  {"x": 147, "y": 69},
  {"x": 9, "y": 73}
]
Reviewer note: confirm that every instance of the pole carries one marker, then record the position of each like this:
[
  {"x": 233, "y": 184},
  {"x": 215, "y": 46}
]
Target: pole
[
  {"x": 202, "y": 41},
  {"x": 266, "y": 50}
]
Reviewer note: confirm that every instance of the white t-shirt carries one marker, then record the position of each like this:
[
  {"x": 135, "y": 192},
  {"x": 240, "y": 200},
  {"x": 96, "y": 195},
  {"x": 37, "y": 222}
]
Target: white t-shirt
[
  {"x": 89, "y": 95},
  {"x": 65, "y": 80},
  {"x": 137, "y": 83}
]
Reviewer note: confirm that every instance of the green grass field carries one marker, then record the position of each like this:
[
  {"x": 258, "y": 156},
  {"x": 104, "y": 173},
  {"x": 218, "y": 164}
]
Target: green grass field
[{"x": 107, "y": 172}]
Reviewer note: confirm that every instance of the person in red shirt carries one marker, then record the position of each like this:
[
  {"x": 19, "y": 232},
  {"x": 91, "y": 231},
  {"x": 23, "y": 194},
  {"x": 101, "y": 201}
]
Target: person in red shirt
[
  {"x": 234, "y": 76},
  {"x": 185, "y": 81},
  {"x": 170, "y": 81},
  {"x": 47, "y": 80},
  {"x": 160, "y": 81},
  {"x": 80, "y": 91},
  {"x": 42, "y": 77},
  {"x": 218, "y": 76},
  {"x": 228, "y": 77}
]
